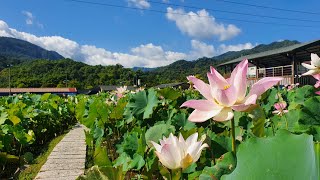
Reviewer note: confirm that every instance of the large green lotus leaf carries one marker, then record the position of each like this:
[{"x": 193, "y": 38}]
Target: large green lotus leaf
[
  {"x": 23, "y": 137},
  {"x": 137, "y": 162},
  {"x": 310, "y": 112},
  {"x": 118, "y": 110},
  {"x": 94, "y": 173},
  {"x": 101, "y": 157},
  {"x": 225, "y": 164},
  {"x": 301, "y": 94},
  {"x": 151, "y": 103},
  {"x": 123, "y": 161},
  {"x": 316, "y": 134},
  {"x": 141, "y": 103},
  {"x": 45, "y": 97},
  {"x": 289, "y": 121},
  {"x": 181, "y": 120},
  {"x": 282, "y": 157},
  {"x": 156, "y": 132},
  {"x": 3, "y": 117},
  {"x": 258, "y": 120},
  {"x": 80, "y": 110},
  {"x": 103, "y": 173},
  {"x": 269, "y": 99},
  {"x": 14, "y": 119},
  {"x": 129, "y": 144},
  {"x": 169, "y": 93}
]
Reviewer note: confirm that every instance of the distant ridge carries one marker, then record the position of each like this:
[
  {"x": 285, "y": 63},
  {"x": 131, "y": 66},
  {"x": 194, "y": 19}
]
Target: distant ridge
[
  {"x": 260, "y": 48},
  {"x": 15, "y": 51}
]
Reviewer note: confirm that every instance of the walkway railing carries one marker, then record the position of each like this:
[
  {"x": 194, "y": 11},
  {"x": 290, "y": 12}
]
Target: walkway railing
[
  {"x": 280, "y": 71},
  {"x": 275, "y": 71}
]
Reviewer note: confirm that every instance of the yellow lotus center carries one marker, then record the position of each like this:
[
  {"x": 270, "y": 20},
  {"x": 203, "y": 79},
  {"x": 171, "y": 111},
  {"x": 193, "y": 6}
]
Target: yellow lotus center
[
  {"x": 186, "y": 161},
  {"x": 226, "y": 87}
]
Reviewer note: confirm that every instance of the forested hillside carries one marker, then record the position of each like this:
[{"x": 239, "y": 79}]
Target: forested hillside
[{"x": 66, "y": 72}]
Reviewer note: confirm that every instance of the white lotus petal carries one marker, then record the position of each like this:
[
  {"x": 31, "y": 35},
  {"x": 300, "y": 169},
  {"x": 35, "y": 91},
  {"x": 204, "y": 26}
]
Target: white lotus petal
[
  {"x": 315, "y": 60},
  {"x": 157, "y": 146},
  {"x": 192, "y": 139}
]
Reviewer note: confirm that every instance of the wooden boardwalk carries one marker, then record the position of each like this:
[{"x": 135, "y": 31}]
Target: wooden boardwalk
[{"x": 67, "y": 160}]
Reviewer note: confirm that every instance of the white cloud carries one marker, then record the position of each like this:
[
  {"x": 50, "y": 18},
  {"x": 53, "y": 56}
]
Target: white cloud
[
  {"x": 201, "y": 25},
  {"x": 201, "y": 49},
  {"x": 29, "y": 17},
  {"x": 142, "y": 4},
  {"x": 238, "y": 47},
  {"x": 147, "y": 55},
  {"x": 4, "y": 29}
]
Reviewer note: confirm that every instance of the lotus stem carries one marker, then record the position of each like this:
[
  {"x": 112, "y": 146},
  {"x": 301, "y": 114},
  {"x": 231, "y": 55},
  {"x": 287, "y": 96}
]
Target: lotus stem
[
  {"x": 176, "y": 174},
  {"x": 233, "y": 137}
]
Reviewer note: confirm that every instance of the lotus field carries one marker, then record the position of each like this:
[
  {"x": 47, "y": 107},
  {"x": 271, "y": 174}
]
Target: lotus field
[
  {"x": 217, "y": 129},
  {"x": 221, "y": 130},
  {"x": 27, "y": 123}
]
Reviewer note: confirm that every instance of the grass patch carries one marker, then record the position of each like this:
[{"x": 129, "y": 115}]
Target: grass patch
[{"x": 31, "y": 171}]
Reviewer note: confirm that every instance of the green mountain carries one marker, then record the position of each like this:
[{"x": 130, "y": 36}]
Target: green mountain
[
  {"x": 66, "y": 72},
  {"x": 260, "y": 48},
  {"x": 14, "y": 51}
]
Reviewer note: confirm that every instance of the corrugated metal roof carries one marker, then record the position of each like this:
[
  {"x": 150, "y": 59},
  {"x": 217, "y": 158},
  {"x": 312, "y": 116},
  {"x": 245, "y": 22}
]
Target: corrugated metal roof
[
  {"x": 272, "y": 52},
  {"x": 38, "y": 90}
]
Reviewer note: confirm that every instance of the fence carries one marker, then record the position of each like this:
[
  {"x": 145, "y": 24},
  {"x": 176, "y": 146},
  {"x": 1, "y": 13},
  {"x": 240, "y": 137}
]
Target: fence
[{"x": 280, "y": 71}]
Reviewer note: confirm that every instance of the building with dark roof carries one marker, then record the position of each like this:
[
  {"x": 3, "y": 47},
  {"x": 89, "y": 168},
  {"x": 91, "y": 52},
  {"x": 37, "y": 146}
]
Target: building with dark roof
[
  {"x": 182, "y": 85},
  {"x": 282, "y": 62}
]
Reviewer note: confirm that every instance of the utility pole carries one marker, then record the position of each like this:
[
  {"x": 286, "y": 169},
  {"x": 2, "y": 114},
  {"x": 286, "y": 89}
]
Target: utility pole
[
  {"x": 9, "y": 65},
  {"x": 66, "y": 80}
]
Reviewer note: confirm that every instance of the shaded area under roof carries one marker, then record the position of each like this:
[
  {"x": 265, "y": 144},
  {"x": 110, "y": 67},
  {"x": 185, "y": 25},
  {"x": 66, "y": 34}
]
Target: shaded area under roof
[
  {"x": 106, "y": 88},
  {"x": 114, "y": 88},
  {"x": 183, "y": 85},
  {"x": 281, "y": 56}
]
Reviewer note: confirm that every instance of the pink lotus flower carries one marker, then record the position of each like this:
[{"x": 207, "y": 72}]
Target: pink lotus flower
[
  {"x": 225, "y": 95},
  {"x": 177, "y": 153},
  {"x": 314, "y": 67},
  {"x": 120, "y": 91},
  {"x": 280, "y": 108},
  {"x": 317, "y": 77}
]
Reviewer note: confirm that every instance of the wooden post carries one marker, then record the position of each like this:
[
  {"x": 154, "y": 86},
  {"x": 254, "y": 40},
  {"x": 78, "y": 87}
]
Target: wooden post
[
  {"x": 257, "y": 70},
  {"x": 294, "y": 73}
]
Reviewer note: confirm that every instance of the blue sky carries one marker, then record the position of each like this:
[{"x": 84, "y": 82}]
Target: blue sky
[{"x": 100, "y": 34}]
